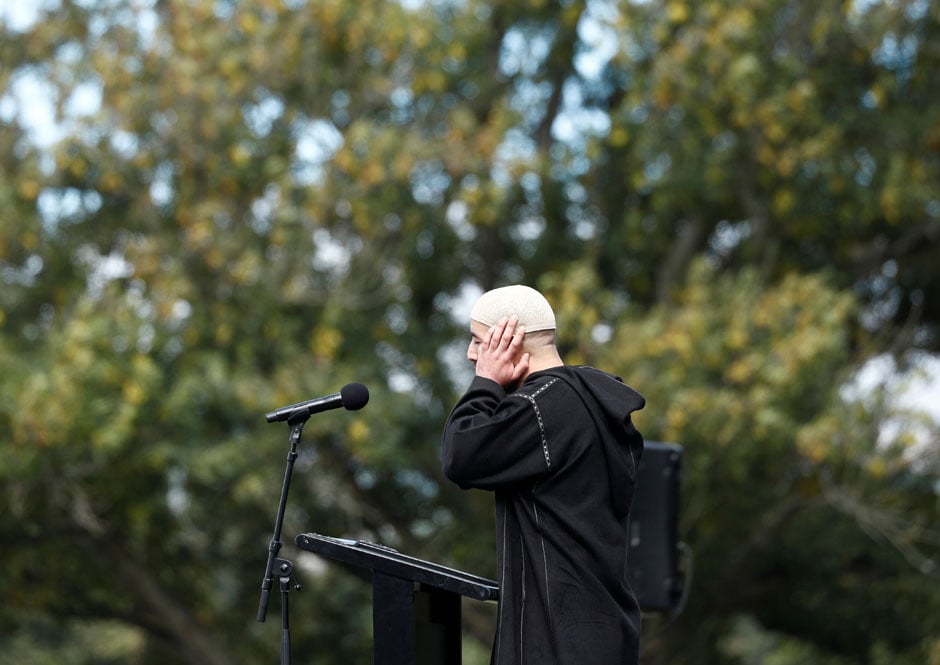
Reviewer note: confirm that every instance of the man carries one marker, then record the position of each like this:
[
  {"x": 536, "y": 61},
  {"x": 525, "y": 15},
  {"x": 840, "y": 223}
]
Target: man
[{"x": 557, "y": 446}]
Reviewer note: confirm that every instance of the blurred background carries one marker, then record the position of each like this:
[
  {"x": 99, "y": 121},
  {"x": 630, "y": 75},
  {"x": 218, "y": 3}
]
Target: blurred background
[{"x": 211, "y": 208}]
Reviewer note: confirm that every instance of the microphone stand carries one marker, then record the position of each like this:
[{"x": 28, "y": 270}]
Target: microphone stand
[{"x": 285, "y": 569}]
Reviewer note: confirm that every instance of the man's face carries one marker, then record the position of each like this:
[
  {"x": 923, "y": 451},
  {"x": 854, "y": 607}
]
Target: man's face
[{"x": 477, "y": 331}]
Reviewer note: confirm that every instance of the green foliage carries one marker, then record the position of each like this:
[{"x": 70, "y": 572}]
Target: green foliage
[
  {"x": 750, "y": 378},
  {"x": 733, "y": 205}
]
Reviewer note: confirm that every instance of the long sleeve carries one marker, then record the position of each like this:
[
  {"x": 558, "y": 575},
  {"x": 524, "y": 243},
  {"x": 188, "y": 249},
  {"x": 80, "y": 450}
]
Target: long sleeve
[{"x": 492, "y": 440}]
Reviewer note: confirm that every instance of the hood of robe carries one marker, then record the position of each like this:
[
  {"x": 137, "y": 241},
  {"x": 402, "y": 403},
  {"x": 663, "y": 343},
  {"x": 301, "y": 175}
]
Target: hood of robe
[{"x": 612, "y": 402}]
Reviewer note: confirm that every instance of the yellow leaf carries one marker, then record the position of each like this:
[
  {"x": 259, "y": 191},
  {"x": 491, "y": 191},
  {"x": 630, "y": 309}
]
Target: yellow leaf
[
  {"x": 29, "y": 189},
  {"x": 877, "y": 467},
  {"x": 677, "y": 12},
  {"x": 619, "y": 137},
  {"x": 783, "y": 201},
  {"x": 133, "y": 393},
  {"x": 325, "y": 342},
  {"x": 358, "y": 431},
  {"x": 248, "y": 22},
  {"x": 239, "y": 154}
]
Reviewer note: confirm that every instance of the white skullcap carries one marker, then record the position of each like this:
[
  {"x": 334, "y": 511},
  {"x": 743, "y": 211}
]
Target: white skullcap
[{"x": 529, "y": 305}]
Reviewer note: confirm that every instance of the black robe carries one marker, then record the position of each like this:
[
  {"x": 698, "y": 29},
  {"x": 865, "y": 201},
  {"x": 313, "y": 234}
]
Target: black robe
[{"x": 560, "y": 454}]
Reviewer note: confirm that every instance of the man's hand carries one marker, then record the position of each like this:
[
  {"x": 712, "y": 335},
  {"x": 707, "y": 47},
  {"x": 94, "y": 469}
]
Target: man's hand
[{"x": 500, "y": 355}]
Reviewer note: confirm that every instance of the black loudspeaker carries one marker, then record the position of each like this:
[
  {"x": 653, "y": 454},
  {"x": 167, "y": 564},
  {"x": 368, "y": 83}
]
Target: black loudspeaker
[{"x": 653, "y": 550}]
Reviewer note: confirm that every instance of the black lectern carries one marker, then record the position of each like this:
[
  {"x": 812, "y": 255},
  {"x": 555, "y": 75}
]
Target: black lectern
[{"x": 415, "y": 603}]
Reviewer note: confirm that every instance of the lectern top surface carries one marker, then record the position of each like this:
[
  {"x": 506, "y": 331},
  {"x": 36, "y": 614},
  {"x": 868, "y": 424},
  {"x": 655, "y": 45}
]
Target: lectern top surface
[{"x": 388, "y": 561}]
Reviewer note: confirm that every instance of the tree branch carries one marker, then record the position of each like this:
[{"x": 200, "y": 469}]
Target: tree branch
[{"x": 681, "y": 251}]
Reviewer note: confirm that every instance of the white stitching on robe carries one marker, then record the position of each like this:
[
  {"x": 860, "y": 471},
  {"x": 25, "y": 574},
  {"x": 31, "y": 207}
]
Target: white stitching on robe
[{"x": 538, "y": 417}]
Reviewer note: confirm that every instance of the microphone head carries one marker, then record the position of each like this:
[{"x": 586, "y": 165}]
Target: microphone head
[{"x": 354, "y": 396}]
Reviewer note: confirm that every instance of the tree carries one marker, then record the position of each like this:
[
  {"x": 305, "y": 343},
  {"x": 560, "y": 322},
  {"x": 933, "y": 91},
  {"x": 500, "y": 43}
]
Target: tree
[{"x": 244, "y": 204}]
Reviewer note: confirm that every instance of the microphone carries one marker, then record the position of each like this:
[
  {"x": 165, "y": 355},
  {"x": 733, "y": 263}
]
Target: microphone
[{"x": 352, "y": 396}]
